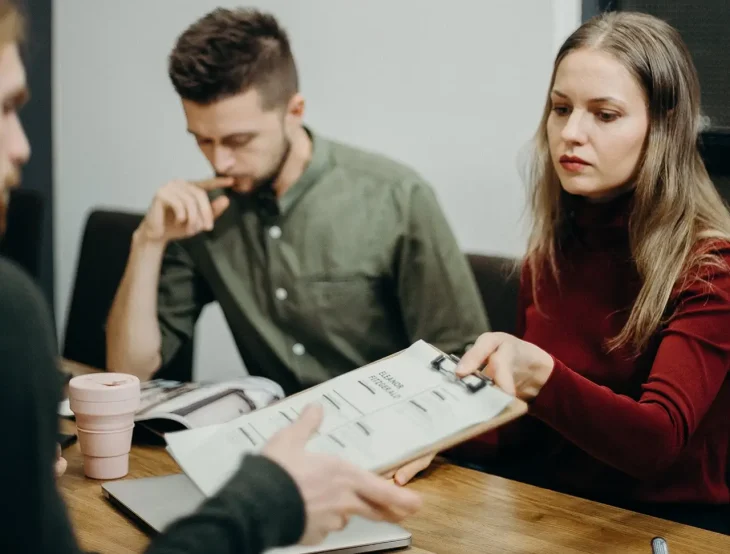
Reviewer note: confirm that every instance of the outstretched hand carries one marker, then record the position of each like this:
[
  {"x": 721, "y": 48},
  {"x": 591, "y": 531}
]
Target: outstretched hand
[
  {"x": 334, "y": 490},
  {"x": 516, "y": 366}
]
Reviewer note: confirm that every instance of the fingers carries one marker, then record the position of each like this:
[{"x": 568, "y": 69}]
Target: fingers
[
  {"x": 169, "y": 200},
  {"x": 496, "y": 350},
  {"x": 315, "y": 534},
  {"x": 288, "y": 443},
  {"x": 193, "y": 222},
  {"x": 215, "y": 183},
  {"x": 219, "y": 205},
  {"x": 298, "y": 433},
  {"x": 391, "y": 499},
  {"x": 363, "y": 506},
  {"x": 384, "y": 513},
  {"x": 350, "y": 504},
  {"x": 204, "y": 209},
  {"x": 409, "y": 471},
  {"x": 359, "y": 506},
  {"x": 59, "y": 467},
  {"x": 477, "y": 355},
  {"x": 190, "y": 206},
  {"x": 500, "y": 368}
]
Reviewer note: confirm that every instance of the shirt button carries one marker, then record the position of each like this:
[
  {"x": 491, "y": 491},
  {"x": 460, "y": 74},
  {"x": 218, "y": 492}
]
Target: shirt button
[
  {"x": 281, "y": 294},
  {"x": 298, "y": 349},
  {"x": 275, "y": 232}
]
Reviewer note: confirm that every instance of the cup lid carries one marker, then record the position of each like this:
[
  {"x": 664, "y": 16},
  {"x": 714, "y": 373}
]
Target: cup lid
[{"x": 103, "y": 387}]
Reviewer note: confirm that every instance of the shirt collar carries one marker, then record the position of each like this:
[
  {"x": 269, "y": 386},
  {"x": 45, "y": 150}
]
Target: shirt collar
[{"x": 314, "y": 170}]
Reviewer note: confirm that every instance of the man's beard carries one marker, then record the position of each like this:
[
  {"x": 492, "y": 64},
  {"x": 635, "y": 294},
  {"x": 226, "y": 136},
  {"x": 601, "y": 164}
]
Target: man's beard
[
  {"x": 269, "y": 178},
  {"x": 12, "y": 180}
]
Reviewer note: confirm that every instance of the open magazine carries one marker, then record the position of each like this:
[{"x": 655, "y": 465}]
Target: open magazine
[
  {"x": 378, "y": 417},
  {"x": 167, "y": 406}
]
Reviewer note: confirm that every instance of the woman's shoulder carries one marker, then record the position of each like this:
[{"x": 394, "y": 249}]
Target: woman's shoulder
[
  {"x": 709, "y": 269},
  {"x": 716, "y": 246},
  {"x": 711, "y": 254}
]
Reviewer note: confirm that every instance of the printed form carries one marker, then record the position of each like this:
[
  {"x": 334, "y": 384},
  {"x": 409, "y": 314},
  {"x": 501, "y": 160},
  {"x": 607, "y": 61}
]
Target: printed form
[{"x": 374, "y": 417}]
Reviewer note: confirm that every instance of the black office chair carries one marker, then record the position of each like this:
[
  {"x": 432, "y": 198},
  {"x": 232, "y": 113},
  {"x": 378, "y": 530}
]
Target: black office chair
[
  {"x": 715, "y": 149},
  {"x": 23, "y": 236},
  {"x": 102, "y": 259},
  {"x": 498, "y": 280}
]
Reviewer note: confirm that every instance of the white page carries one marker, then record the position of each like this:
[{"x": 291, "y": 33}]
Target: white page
[
  {"x": 374, "y": 417},
  {"x": 180, "y": 443}
]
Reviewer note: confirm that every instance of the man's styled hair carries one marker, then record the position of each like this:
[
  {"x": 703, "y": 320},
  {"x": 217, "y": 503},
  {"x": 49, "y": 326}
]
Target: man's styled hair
[{"x": 227, "y": 52}]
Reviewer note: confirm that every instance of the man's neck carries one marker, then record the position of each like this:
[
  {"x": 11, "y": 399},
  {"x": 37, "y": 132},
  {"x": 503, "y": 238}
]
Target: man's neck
[{"x": 300, "y": 154}]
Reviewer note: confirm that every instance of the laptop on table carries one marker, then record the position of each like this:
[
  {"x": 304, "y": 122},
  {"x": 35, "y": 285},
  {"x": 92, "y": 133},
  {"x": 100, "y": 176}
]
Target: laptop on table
[{"x": 156, "y": 502}]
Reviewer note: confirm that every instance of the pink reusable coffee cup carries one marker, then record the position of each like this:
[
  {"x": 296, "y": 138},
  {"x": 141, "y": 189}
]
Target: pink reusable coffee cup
[{"x": 104, "y": 405}]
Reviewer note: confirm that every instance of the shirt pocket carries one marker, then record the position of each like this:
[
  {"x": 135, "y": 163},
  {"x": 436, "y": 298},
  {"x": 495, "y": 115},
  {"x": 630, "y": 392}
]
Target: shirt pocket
[{"x": 345, "y": 307}]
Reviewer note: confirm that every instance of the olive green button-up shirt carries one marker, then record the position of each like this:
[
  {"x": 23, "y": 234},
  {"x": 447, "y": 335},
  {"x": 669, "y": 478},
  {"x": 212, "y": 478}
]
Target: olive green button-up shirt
[{"x": 358, "y": 263}]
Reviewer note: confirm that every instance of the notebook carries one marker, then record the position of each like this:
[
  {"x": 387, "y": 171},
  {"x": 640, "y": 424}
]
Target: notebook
[
  {"x": 167, "y": 406},
  {"x": 156, "y": 502}
]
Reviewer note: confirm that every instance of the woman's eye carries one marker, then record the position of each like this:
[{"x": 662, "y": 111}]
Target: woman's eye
[{"x": 607, "y": 117}]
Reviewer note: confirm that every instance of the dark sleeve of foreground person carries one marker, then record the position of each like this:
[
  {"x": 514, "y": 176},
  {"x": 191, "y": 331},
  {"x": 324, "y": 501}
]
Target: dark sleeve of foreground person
[{"x": 260, "y": 508}]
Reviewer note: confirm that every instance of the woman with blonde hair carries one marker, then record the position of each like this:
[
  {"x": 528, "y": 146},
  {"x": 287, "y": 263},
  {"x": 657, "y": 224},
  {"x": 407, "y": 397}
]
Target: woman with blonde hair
[{"x": 624, "y": 313}]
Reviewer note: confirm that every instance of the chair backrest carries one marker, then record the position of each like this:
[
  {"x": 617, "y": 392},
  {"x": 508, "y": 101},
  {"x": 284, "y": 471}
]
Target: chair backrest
[
  {"x": 102, "y": 259},
  {"x": 498, "y": 280},
  {"x": 23, "y": 236}
]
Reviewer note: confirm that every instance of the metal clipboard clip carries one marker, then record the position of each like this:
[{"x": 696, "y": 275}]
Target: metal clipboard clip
[{"x": 472, "y": 382}]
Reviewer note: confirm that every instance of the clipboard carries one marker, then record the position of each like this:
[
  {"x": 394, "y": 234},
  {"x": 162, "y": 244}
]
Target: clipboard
[
  {"x": 474, "y": 383},
  {"x": 210, "y": 457}
]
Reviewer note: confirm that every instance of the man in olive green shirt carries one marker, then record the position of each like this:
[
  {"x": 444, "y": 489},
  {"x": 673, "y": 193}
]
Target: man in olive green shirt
[{"x": 322, "y": 257}]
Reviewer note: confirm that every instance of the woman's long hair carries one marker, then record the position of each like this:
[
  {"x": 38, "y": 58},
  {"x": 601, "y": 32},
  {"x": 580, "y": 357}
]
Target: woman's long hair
[{"x": 675, "y": 203}]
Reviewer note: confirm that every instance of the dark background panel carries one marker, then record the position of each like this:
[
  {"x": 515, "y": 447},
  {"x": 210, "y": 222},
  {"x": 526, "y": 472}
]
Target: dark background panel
[
  {"x": 37, "y": 119},
  {"x": 704, "y": 27}
]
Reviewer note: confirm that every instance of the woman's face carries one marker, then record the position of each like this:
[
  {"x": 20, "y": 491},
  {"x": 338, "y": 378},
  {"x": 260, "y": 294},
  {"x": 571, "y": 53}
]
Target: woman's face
[{"x": 597, "y": 126}]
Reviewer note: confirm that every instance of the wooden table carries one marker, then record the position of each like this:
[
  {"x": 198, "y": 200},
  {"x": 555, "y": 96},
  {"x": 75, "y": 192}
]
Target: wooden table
[{"x": 465, "y": 512}]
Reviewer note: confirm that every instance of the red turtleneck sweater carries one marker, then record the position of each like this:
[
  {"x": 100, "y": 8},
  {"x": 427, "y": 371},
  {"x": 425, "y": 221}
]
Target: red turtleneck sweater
[{"x": 655, "y": 428}]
